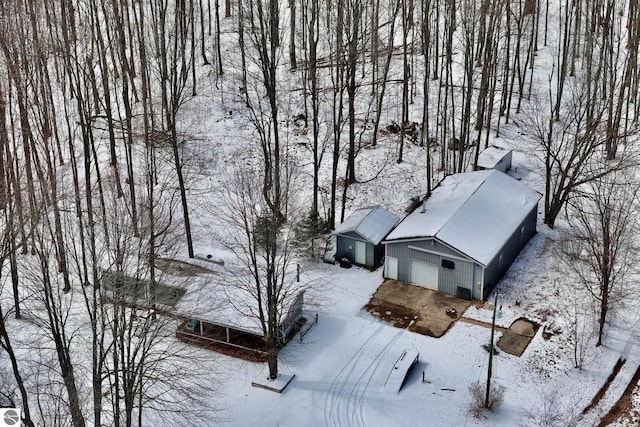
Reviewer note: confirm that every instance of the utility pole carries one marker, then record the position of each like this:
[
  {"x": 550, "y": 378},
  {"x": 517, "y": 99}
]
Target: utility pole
[{"x": 487, "y": 404}]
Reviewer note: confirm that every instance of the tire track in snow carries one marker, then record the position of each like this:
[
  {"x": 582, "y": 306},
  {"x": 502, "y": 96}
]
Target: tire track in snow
[
  {"x": 337, "y": 385},
  {"x": 360, "y": 414},
  {"x": 345, "y": 401}
]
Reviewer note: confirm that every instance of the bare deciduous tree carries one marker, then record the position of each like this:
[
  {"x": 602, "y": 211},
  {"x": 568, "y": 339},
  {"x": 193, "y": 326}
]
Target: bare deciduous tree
[
  {"x": 550, "y": 411},
  {"x": 576, "y": 310},
  {"x": 52, "y": 311},
  {"x": 601, "y": 245},
  {"x": 262, "y": 245},
  {"x": 7, "y": 347},
  {"x": 571, "y": 149}
]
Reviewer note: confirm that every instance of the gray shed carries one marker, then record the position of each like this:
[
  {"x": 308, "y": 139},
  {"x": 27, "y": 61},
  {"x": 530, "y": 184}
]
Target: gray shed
[
  {"x": 465, "y": 236},
  {"x": 359, "y": 237},
  {"x": 496, "y": 158}
]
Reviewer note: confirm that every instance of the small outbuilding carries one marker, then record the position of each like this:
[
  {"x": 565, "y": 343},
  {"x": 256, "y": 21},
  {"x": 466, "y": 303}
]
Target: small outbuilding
[
  {"x": 464, "y": 237},
  {"x": 496, "y": 158},
  {"x": 359, "y": 237}
]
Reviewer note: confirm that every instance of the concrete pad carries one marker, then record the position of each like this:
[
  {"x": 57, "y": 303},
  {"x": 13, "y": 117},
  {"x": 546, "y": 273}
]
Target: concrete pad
[
  {"x": 513, "y": 343},
  {"x": 277, "y": 385}
]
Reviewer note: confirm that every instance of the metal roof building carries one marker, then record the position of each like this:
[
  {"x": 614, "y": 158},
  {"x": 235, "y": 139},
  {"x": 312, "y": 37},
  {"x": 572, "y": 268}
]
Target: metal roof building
[
  {"x": 465, "y": 236},
  {"x": 358, "y": 237}
]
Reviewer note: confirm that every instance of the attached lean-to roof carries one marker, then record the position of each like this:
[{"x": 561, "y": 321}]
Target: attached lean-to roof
[
  {"x": 473, "y": 212},
  {"x": 372, "y": 223}
]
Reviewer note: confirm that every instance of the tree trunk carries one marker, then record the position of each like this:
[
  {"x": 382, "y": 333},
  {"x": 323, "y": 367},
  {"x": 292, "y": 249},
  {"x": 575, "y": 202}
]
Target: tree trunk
[
  {"x": 273, "y": 363},
  {"x": 292, "y": 35}
]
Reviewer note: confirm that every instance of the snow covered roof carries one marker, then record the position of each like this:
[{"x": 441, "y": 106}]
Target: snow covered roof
[
  {"x": 202, "y": 290},
  {"x": 217, "y": 296},
  {"x": 473, "y": 212},
  {"x": 372, "y": 223},
  {"x": 491, "y": 156},
  {"x": 209, "y": 298}
]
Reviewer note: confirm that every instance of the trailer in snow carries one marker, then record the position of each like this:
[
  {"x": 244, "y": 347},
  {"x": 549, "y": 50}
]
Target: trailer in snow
[{"x": 401, "y": 369}]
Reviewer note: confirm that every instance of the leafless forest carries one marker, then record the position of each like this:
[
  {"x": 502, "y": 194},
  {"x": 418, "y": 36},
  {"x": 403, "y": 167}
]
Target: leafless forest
[{"x": 96, "y": 176}]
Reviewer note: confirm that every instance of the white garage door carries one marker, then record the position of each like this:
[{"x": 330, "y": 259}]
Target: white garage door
[{"x": 424, "y": 274}]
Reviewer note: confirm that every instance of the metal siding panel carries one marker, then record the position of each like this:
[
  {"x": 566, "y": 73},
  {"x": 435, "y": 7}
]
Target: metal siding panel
[
  {"x": 350, "y": 235},
  {"x": 461, "y": 275},
  {"x": 511, "y": 249},
  {"x": 401, "y": 252},
  {"x": 478, "y": 280},
  {"x": 342, "y": 247},
  {"x": 370, "y": 251},
  {"x": 491, "y": 277},
  {"x": 448, "y": 281},
  {"x": 435, "y": 246}
]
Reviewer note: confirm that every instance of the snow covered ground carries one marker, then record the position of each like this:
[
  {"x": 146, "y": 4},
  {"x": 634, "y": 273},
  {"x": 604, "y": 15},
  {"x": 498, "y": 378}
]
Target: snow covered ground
[
  {"x": 344, "y": 361},
  {"x": 341, "y": 367}
]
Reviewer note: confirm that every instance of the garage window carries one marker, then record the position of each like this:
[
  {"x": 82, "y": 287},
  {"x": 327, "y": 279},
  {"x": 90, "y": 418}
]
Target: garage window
[{"x": 448, "y": 264}]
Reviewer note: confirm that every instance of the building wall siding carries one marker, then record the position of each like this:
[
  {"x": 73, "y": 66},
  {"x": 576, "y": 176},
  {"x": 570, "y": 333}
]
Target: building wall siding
[
  {"x": 461, "y": 275},
  {"x": 510, "y": 250},
  {"x": 371, "y": 253},
  {"x": 448, "y": 279},
  {"x": 478, "y": 281},
  {"x": 346, "y": 247},
  {"x": 467, "y": 273},
  {"x": 435, "y": 245}
]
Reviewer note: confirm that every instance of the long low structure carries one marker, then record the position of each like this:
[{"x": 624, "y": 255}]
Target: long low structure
[
  {"x": 212, "y": 309},
  {"x": 464, "y": 237}
]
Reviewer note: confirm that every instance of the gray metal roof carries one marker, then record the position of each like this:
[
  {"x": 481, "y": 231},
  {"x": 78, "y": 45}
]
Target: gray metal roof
[
  {"x": 473, "y": 212},
  {"x": 372, "y": 223}
]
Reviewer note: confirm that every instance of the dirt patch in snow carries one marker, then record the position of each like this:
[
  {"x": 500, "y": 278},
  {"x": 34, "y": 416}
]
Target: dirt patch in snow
[
  {"x": 603, "y": 390},
  {"x": 432, "y": 313},
  {"x": 419, "y": 309},
  {"x": 516, "y": 338},
  {"x": 624, "y": 409}
]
